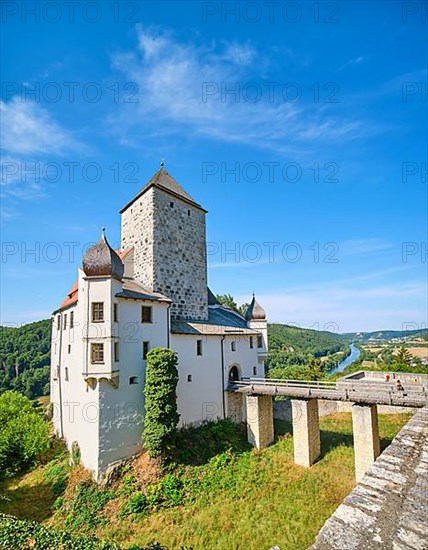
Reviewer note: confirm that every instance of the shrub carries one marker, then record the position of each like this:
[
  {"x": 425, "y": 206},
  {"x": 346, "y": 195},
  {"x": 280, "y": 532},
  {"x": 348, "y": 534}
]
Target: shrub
[
  {"x": 160, "y": 424},
  {"x": 88, "y": 501},
  {"x": 23, "y": 433}
]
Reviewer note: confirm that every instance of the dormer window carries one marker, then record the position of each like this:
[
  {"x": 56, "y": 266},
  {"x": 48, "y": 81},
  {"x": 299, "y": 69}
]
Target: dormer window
[{"x": 97, "y": 312}]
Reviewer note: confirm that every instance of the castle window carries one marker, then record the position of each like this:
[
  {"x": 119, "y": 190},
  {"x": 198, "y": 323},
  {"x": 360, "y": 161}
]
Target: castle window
[
  {"x": 97, "y": 312},
  {"x": 189, "y": 377},
  {"x": 97, "y": 353},
  {"x": 146, "y": 348},
  {"x": 66, "y": 374},
  {"x": 69, "y": 348},
  {"x": 188, "y": 212},
  {"x": 115, "y": 313},
  {"x": 233, "y": 345},
  {"x": 65, "y": 321},
  {"x": 71, "y": 319},
  {"x": 171, "y": 204},
  {"x": 58, "y": 322},
  {"x": 254, "y": 371},
  {"x": 116, "y": 352},
  {"x": 198, "y": 347},
  {"x": 146, "y": 314},
  {"x": 251, "y": 342},
  {"x": 133, "y": 380},
  {"x": 259, "y": 341}
]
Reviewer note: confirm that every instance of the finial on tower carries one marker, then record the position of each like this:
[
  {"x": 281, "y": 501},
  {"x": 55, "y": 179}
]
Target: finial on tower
[
  {"x": 103, "y": 231},
  {"x": 162, "y": 163}
]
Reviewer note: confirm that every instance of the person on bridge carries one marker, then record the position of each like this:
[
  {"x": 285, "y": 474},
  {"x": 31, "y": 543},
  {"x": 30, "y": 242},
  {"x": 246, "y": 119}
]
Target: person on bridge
[{"x": 399, "y": 386}]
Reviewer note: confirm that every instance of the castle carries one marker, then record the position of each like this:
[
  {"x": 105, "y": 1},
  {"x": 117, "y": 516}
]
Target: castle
[{"x": 151, "y": 293}]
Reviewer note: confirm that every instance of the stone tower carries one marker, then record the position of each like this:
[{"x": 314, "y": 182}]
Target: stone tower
[{"x": 166, "y": 227}]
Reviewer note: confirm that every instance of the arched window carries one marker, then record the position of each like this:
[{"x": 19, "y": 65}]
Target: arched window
[{"x": 234, "y": 374}]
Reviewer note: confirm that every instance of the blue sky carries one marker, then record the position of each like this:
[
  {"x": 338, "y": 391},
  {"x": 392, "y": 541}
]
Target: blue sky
[{"x": 303, "y": 133}]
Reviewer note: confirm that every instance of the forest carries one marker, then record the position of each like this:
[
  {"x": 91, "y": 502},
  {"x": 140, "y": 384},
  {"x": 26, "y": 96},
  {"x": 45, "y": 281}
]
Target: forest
[{"x": 25, "y": 358}]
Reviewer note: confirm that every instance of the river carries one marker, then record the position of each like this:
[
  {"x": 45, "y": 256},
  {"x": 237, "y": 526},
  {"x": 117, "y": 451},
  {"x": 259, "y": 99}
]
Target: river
[{"x": 355, "y": 353}]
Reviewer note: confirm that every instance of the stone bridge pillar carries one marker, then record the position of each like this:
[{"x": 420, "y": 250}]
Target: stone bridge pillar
[
  {"x": 259, "y": 420},
  {"x": 366, "y": 437},
  {"x": 306, "y": 431}
]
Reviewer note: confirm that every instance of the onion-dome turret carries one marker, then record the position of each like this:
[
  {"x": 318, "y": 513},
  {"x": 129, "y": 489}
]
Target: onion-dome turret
[
  {"x": 102, "y": 260},
  {"x": 255, "y": 312}
]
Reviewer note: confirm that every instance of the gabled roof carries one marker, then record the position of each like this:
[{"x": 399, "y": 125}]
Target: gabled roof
[
  {"x": 134, "y": 291},
  {"x": 71, "y": 297},
  {"x": 164, "y": 181},
  {"x": 220, "y": 321}
]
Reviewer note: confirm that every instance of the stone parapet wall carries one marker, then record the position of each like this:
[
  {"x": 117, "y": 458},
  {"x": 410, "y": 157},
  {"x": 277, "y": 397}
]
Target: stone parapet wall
[{"x": 389, "y": 507}]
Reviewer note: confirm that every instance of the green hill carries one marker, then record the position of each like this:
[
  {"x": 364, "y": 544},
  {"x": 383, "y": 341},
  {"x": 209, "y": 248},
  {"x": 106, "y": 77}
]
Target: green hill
[
  {"x": 304, "y": 340},
  {"x": 386, "y": 335},
  {"x": 25, "y": 358}
]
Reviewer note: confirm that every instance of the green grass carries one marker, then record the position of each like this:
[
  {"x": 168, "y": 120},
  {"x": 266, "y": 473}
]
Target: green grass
[{"x": 217, "y": 496}]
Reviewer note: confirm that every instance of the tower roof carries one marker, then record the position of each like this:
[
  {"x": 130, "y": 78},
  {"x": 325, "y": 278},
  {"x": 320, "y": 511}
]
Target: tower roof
[
  {"x": 164, "y": 181},
  {"x": 255, "y": 312},
  {"x": 102, "y": 260}
]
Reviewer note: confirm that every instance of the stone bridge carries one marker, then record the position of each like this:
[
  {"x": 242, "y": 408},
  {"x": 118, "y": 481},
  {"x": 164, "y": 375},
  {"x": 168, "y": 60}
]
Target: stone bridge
[{"x": 364, "y": 394}]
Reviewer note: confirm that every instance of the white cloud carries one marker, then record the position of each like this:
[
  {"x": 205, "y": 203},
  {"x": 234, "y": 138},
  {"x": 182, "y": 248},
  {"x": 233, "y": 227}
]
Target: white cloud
[
  {"x": 348, "y": 309},
  {"x": 351, "y": 62},
  {"x": 28, "y": 129},
  {"x": 183, "y": 87}
]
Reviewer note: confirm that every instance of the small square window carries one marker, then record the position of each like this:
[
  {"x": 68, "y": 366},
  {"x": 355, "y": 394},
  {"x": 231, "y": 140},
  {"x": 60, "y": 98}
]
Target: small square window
[
  {"x": 233, "y": 345},
  {"x": 198, "y": 347},
  {"x": 97, "y": 312},
  {"x": 251, "y": 342},
  {"x": 97, "y": 353},
  {"x": 146, "y": 348},
  {"x": 133, "y": 380},
  {"x": 189, "y": 377},
  {"x": 259, "y": 341},
  {"x": 115, "y": 313},
  {"x": 146, "y": 314},
  {"x": 71, "y": 319},
  {"x": 116, "y": 352},
  {"x": 65, "y": 322}
]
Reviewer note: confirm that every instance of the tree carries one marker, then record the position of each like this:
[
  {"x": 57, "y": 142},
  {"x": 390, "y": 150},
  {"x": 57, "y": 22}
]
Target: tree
[
  {"x": 23, "y": 433},
  {"x": 160, "y": 423},
  {"x": 228, "y": 300},
  {"x": 403, "y": 357}
]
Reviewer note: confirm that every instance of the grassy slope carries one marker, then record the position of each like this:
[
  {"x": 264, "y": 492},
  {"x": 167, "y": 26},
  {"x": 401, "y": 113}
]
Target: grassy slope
[{"x": 254, "y": 499}]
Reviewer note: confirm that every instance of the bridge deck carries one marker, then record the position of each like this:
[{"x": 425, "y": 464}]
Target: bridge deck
[{"x": 360, "y": 391}]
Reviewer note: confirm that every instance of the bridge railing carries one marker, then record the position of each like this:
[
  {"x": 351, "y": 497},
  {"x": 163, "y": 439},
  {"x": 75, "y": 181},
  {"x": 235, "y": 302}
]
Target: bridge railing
[
  {"x": 411, "y": 390},
  {"x": 313, "y": 384}
]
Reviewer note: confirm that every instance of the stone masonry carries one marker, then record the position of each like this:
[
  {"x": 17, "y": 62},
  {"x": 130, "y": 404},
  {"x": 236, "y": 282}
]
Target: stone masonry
[
  {"x": 259, "y": 420},
  {"x": 168, "y": 236},
  {"x": 366, "y": 437},
  {"x": 306, "y": 431},
  {"x": 388, "y": 509}
]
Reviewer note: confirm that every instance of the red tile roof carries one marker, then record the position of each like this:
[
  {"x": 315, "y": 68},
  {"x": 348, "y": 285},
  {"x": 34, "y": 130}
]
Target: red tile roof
[{"x": 71, "y": 297}]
